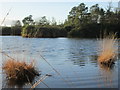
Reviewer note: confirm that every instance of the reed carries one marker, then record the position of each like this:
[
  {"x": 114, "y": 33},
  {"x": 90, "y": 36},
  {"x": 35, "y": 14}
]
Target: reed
[
  {"x": 20, "y": 71},
  {"x": 108, "y": 48}
]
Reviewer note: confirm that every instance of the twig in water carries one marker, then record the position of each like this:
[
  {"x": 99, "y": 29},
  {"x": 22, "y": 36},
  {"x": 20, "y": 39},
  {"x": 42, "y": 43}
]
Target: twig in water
[
  {"x": 39, "y": 81},
  {"x": 55, "y": 70},
  {"x": 7, "y": 55}
]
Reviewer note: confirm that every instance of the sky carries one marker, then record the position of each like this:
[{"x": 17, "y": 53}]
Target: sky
[{"x": 59, "y": 9}]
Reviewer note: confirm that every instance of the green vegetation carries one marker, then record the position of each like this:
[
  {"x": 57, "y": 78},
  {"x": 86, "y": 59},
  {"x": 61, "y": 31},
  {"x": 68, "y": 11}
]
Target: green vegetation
[
  {"x": 13, "y": 30},
  {"x": 90, "y": 23},
  {"x": 42, "y": 28},
  {"x": 82, "y": 22},
  {"x": 43, "y": 31}
]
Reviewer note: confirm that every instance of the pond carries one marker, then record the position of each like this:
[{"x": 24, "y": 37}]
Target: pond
[{"x": 74, "y": 59}]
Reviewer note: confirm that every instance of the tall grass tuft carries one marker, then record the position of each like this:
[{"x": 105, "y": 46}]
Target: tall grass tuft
[
  {"x": 20, "y": 71},
  {"x": 108, "y": 49}
]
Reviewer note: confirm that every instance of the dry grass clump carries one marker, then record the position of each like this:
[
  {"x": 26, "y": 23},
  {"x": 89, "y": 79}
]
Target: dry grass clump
[
  {"x": 108, "y": 49},
  {"x": 19, "y": 71}
]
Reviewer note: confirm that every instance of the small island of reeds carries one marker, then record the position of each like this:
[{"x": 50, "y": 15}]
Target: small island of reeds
[
  {"x": 20, "y": 71},
  {"x": 108, "y": 52}
]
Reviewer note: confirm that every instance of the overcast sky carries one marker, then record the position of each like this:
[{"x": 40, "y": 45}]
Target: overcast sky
[{"x": 59, "y": 9}]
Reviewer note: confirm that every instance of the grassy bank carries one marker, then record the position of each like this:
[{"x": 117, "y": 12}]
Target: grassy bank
[
  {"x": 92, "y": 30},
  {"x": 43, "y": 31}
]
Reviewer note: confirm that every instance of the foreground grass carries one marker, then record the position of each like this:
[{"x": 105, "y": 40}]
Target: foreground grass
[
  {"x": 108, "y": 49},
  {"x": 20, "y": 71}
]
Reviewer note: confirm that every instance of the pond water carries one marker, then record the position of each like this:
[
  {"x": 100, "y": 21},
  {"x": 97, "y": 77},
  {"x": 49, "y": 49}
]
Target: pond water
[{"x": 74, "y": 59}]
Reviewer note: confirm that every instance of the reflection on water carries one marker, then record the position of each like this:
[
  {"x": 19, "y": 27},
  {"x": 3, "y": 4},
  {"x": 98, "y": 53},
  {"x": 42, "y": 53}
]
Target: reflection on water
[
  {"x": 74, "y": 59},
  {"x": 83, "y": 60},
  {"x": 107, "y": 68},
  {"x": 13, "y": 83},
  {"x": 18, "y": 83},
  {"x": 82, "y": 52},
  {"x": 108, "y": 75}
]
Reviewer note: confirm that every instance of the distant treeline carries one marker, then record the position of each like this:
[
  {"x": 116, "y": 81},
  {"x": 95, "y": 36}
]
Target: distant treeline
[
  {"x": 82, "y": 22},
  {"x": 43, "y": 31},
  {"x": 11, "y": 31}
]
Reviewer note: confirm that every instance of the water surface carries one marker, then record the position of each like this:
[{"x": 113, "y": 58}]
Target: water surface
[{"x": 74, "y": 59}]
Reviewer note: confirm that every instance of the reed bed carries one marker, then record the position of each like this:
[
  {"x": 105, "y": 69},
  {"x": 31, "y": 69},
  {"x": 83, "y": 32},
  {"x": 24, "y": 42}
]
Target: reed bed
[
  {"x": 20, "y": 71},
  {"x": 108, "y": 49}
]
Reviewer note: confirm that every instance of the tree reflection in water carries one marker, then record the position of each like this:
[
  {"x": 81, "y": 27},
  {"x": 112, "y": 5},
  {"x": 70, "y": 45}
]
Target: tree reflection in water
[{"x": 107, "y": 75}]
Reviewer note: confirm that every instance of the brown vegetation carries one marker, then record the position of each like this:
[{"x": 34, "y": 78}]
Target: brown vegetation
[
  {"x": 19, "y": 71},
  {"x": 108, "y": 50}
]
